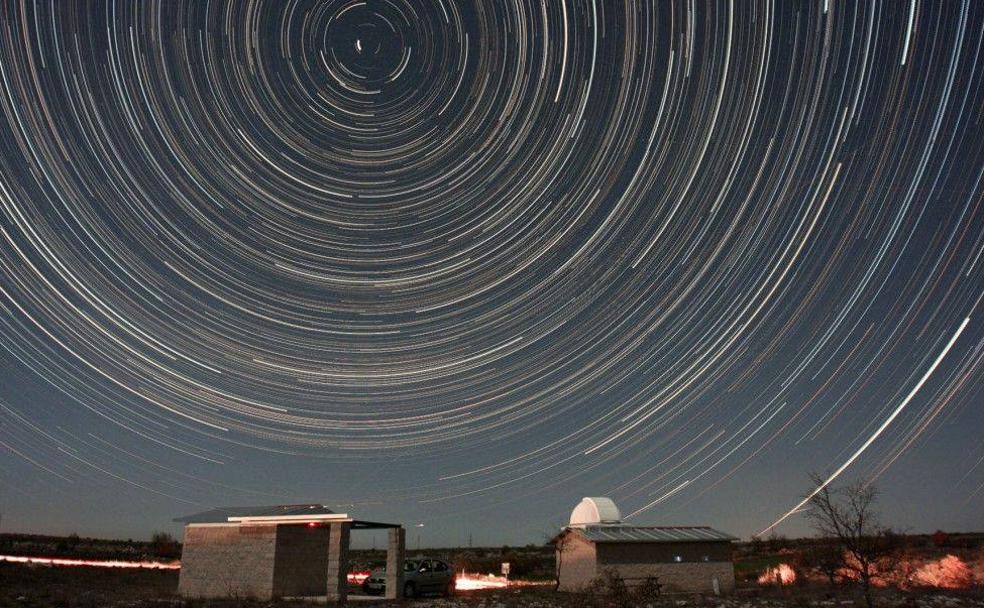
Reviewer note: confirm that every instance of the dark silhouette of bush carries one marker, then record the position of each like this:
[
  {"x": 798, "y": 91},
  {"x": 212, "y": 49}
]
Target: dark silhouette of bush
[{"x": 164, "y": 546}]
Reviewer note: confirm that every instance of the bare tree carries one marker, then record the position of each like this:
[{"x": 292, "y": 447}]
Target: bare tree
[{"x": 846, "y": 517}]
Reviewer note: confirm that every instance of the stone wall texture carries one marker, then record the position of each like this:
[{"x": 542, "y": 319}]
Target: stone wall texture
[
  {"x": 338, "y": 548},
  {"x": 272, "y": 561},
  {"x": 578, "y": 563},
  {"x": 695, "y": 577},
  {"x": 394, "y": 563},
  {"x": 228, "y": 561},
  {"x": 633, "y": 553},
  {"x": 583, "y": 561},
  {"x": 301, "y": 565}
]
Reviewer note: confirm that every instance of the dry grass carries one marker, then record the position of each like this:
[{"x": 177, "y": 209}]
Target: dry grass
[
  {"x": 23, "y": 586},
  {"x": 28, "y": 586}
]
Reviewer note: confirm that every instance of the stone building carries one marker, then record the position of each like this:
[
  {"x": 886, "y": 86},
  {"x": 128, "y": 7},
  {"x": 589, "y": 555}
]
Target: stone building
[
  {"x": 693, "y": 559},
  {"x": 278, "y": 551}
]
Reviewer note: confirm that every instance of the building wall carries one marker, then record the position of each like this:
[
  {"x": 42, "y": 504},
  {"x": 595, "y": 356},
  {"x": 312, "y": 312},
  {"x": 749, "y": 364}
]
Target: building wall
[
  {"x": 614, "y": 553},
  {"x": 301, "y": 564},
  {"x": 692, "y": 574},
  {"x": 583, "y": 561},
  {"x": 577, "y": 561},
  {"x": 228, "y": 561}
]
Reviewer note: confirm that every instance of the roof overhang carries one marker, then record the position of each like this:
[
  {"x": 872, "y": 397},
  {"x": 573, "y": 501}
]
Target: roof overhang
[
  {"x": 291, "y": 519},
  {"x": 275, "y": 515},
  {"x": 357, "y": 524},
  {"x": 222, "y": 514}
]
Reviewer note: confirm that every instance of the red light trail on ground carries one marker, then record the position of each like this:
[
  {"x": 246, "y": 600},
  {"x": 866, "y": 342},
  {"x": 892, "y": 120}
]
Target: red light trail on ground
[
  {"x": 471, "y": 582},
  {"x": 463, "y": 582},
  {"x": 358, "y": 577},
  {"x": 94, "y": 563}
]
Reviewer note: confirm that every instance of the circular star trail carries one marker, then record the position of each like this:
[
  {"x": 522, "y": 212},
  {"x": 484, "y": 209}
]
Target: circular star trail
[{"x": 554, "y": 234}]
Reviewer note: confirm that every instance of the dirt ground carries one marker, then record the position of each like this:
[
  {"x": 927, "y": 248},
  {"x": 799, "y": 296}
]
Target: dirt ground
[
  {"x": 27, "y": 586},
  {"x": 24, "y": 586}
]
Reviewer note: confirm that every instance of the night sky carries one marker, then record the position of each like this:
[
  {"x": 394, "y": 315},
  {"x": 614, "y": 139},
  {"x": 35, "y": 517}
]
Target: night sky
[{"x": 461, "y": 263}]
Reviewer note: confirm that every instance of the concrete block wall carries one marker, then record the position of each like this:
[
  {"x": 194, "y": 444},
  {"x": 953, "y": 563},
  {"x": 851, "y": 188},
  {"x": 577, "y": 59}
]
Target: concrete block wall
[
  {"x": 301, "y": 565},
  {"x": 583, "y": 561},
  {"x": 394, "y": 563},
  {"x": 338, "y": 545},
  {"x": 701, "y": 563},
  {"x": 654, "y": 553},
  {"x": 694, "y": 577},
  {"x": 228, "y": 561},
  {"x": 578, "y": 563}
]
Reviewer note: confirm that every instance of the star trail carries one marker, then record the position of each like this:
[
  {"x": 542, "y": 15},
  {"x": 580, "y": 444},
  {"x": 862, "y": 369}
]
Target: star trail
[{"x": 444, "y": 256}]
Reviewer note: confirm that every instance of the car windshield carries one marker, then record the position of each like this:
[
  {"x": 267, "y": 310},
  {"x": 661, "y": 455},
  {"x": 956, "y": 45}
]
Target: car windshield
[{"x": 409, "y": 566}]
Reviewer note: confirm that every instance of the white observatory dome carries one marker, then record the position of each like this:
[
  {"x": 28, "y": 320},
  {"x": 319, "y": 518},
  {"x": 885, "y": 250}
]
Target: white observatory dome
[{"x": 596, "y": 510}]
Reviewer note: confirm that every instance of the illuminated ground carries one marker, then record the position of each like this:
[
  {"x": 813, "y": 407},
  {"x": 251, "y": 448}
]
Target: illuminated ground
[{"x": 26, "y": 586}]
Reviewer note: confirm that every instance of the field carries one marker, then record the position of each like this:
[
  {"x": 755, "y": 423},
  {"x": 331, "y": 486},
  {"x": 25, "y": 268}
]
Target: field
[
  {"x": 77, "y": 587},
  {"x": 32, "y": 586},
  {"x": 24, "y": 586}
]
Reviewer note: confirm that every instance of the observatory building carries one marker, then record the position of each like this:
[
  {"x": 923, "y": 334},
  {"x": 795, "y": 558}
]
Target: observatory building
[
  {"x": 693, "y": 559},
  {"x": 277, "y": 551}
]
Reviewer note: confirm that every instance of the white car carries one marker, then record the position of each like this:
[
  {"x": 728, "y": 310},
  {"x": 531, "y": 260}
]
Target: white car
[{"x": 419, "y": 576}]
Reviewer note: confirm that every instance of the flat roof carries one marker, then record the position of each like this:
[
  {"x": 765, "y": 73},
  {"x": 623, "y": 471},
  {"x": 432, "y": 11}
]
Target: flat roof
[
  {"x": 291, "y": 519},
  {"x": 356, "y": 524},
  {"x": 277, "y": 514},
  {"x": 224, "y": 514}
]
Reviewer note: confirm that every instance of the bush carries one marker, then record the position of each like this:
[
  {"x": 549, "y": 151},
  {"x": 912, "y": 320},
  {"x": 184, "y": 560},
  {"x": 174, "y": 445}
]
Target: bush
[
  {"x": 68, "y": 544},
  {"x": 164, "y": 546},
  {"x": 648, "y": 592},
  {"x": 610, "y": 591}
]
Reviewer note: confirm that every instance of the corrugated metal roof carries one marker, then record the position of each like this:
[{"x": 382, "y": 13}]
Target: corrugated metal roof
[
  {"x": 222, "y": 514},
  {"x": 652, "y": 534}
]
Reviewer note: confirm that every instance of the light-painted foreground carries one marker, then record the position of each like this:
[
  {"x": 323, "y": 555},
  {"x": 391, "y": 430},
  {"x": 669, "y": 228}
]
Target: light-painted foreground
[{"x": 95, "y": 563}]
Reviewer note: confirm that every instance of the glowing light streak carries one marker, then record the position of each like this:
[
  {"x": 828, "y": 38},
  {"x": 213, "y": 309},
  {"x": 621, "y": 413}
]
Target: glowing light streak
[
  {"x": 881, "y": 428},
  {"x": 91, "y": 563}
]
